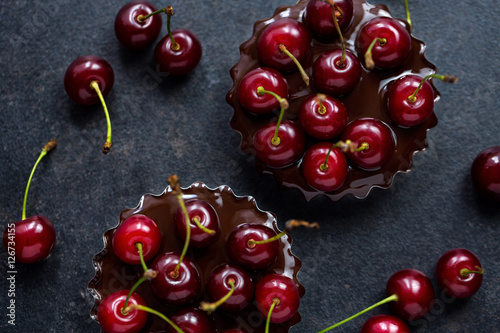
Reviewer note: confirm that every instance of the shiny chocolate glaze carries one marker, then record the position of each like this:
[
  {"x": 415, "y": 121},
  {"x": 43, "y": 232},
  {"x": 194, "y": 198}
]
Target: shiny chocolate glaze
[
  {"x": 112, "y": 275},
  {"x": 366, "y": 100}
]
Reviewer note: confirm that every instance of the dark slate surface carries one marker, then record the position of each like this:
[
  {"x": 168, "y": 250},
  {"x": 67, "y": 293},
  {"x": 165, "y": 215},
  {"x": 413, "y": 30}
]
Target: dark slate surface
[{"x": 183, "y": 127}]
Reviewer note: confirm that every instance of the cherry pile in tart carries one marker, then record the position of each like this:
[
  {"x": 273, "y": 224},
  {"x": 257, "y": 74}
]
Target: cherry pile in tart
[
  {"x": 317, "y": 114},
  {"x": 211, "y": 263}
]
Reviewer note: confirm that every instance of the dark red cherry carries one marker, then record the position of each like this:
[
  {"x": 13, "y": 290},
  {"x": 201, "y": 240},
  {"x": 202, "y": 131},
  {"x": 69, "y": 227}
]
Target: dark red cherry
[
  {"x": 191, "y": 320},
  {"x": 333, "y": 76},
  {"x": 178, "y": 61},
  {"x": 252, "y": 256},
  {"x": 485, "y": 173},
  {"x": 270, "y": 80},
  {"x": 319, "y": 18},
  {"x": 218, "y": 286},
  {"x": 385, "y": 324},
  {"x": 323, "y": 119},
  {"x": 290, "y": 148},
  {"x": 290, "y": 33},
  {"x": 79, "y": 75},
  {"x": 414, "y": 292},
  {"x": 324, "y": 177},
  {"x": 175, "y": 290},
  {"x": 281, "y": 290},
  {"x": 111, "y": 318},
  {"x": 459, "y": 273},
  {"x": 206, "y": 216},
  {"x": 136, "y": 229},
  {"x": 32, "y": 239},
  {"x": 393, "y": 41},
  {"x": 406, "y": 111},
  {"x": 134, "y": 32},
  {"x": 379, "y": 137}
]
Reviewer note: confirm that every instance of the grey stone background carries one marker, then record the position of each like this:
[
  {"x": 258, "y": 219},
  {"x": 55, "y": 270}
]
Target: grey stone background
[{"x": 163, "y": 126}]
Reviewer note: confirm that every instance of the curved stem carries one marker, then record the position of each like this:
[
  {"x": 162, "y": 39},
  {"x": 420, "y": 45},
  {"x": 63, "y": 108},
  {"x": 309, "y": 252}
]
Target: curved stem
[
  {"x": 176, "y": 190},
  {"x": 251, "y": 243},
  {"x": 48, "y": 147},
  {"x": 368, "y": 55},
  {"x": 408, "y": 19},
  {"x": 445, "y": 78},
  {"x": 321, "y": 107},
  {"x": 464, "y": 272},
  {"x": 159, "y": 314},
  {"x": 170, "y": 12},
  {"x": 392, "y": 298},
  {"x": 141, "y": 256},
  {"x": 142, "y": 18},
  {"x": 211, "y": 307},
  {"x": 283, "y": 49},
  {"x": 284, "y": 106},
  {"x": 107, "y": 144},
  {"x": 335, "y": 21},
  {"x": 268, "y": 321},
  {"x": 346, "y": 146},
  {"x": 196, "y": 221},
  {"x": 134, "y": 287}
]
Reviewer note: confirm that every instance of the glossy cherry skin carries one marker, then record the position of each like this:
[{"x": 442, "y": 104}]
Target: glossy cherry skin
[
  {"x": 396, "y": 48},
  {"x": 81, "y": 72},
  {"x": 405, "y": 112},
  {"x": 284, "y": 289},
  {"x": 485, "y": 173},
  {"x": 415, "y": 294},
  {"x": 207, "y": 217},
  {"x": 379, "y": 138},
  {"x": 254, "y": 257},
  {"x": 335, "y": 173},
  {"x": 319, "y": 18},
  {"x": 132, "y": 33},
  {"x": 323, "y": 123},
  {"x": 384, "y": 324},
  {"x": 112, "y": 320},
  {"x": 33, "y": 239},
  {"x": 332, "y": 76},
  {"x": 191, "y": 320},
  {"x": 288, "y": 151},
  {"x": 270, "y": 80},
  {"x": 289, "y": 32},
  {"x": 448, "y": 273},
  {"x": 136, "y": 229},
  {"x": 182, "y": 61},
  {"x": 175, "y": 291}
]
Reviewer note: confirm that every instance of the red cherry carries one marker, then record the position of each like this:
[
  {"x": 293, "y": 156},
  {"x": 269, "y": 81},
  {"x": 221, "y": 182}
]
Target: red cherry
[
  {"x": 136, "y": 229},
  {"x": 134, "y": 32},
  {"x": 206, "y": 216},
  {"x": 414, "y": 292},
  {"x": 385, "y": 324},
  {"x": 379, "y": 137},
  {"x": 333, "y": 76},
  {"x": 191, "y": 320},
  {"x": 459, "y": 273},
  {"x": 319, "y": 18},
  {"x": 283, "y": 292},
  {"x": 322, "y": 119},
  {"x": 485, "y": 173},
  {"x": 111, "y": 318}
]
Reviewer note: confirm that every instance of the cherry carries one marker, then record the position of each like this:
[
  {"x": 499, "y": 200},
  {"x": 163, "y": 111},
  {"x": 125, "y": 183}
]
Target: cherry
[
  {"x": 204, "y": 223},
  {"x": 333, "y": 76},
  {"x": 385, "y": 43},
  {"x": 485, "y": 173},
  {"x": 322, "y": 117},
  {"x": 270, "y": 80},
  {"x": 87, "y": 81},
  {"x": 31, "y": 239},
  {"x": 136, "y": 25},
  {"x": 191, "y": 320},
  {"x": 379, "y": 138},
  {"x": 113, "y": 320},
  {"x": 277, "y": 298},
  {"x": 318, "y": 17},
  {"x": 459, "y": 273},
  {"x": 136, "y": 229},
  {"x": 385, "y": 324},
  {"x": 179, "y": 52}
]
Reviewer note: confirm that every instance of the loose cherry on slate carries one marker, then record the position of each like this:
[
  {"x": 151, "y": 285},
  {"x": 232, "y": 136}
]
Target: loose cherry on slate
[
  {"x": 485, "y": 173},
  {"x": 31, "y": 239},
  {"x": 87, "y": 81},
  {"x": 136, "y": 24},
  {"x": 179, "y": 52},
  {"x": 319, "y": 18},
  {"x": 459, "y": 273},
  {"x": 385, "y": 324}
]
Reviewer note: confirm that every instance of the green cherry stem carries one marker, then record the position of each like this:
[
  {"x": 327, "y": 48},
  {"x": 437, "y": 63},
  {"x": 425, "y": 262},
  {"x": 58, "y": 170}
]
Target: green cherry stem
[
  {"x": 392, "y": 298},
  {"x": 445, "y": 78},
  {"x": 346, "y": 146},
  {"x": 464, "y": 272},
  {"x": 335, "y": 21},
  {"x": 276, "y": 301},
  {"x": 141, "y": 256},
  {"x": 196, "y": 221},
  {"x": 305, "y": 77},
  {"x": 142, "y": 18},
  {"x": 48, "y": 147},
  {"x": 289, "y": 226},
  {"x": 321, "y": 107},
  {"x": 408, "y": 19},
  {"x": 176, "y": 190},
  {"x": 159, "y": 314},
  {"x": 284, "y": 106},
  {"x": 368, "y": 55},
  {"x": 107, "y": 145},
  {"x": 211, "y": 307},
  {"x": 170, "y": 12}
]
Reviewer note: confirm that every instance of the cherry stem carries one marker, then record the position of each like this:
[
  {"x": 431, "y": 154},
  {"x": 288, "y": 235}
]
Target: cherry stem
[
  {"x": 276, "y": 301},
  {"x": 196, "y": 221},
  {"x": 445, "y": 78},
  {"x": 346, "y": 146},
  {"x": 211, "y": 307},
  {"x": 125, "y": 308},
  {"x": 408, "y": 13},
  {"x": 368, "y": 55},
  {"x": 320, "y": 98},
  {"x": 337, "y": 26},
  {"x": 141, "y": 256},
  {"x": 170, "y": 12},
  {"x": 107, "y": 145},
  {"x": 464, "y": 272},
  {"x": 289, "y": 226},
  {"x": 48, "y": 147},
  {"x": 176, "y": 190},
  {"x": 392, "y": 298},
  {"x": 159, "y": 314},
  {"x": 142, "y": 18},
  {"x": 305, "y": 77},
  {"x": 284, "y": 106}
]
